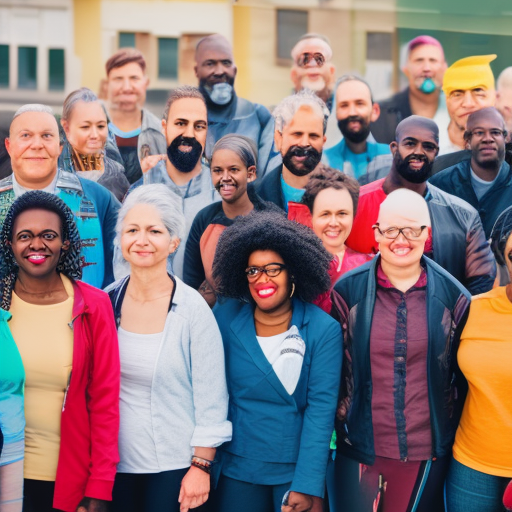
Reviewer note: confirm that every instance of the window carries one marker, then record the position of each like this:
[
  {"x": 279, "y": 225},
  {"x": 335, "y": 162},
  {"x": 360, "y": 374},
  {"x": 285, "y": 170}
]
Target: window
[
  {"x": 126, "y": 39},
  {"x": 27, "y": 67},
  {"x": 291, "y": 25},
  {"x": 379, "y": 46},
  {"x": 167, "y": 58},
  {"x": 4, "y": 65},
  {"x": 56, "y": 70}
]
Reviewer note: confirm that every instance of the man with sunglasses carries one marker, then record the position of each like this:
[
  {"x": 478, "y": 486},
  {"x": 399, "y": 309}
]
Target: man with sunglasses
[
  {"x": 485, "y": 181},
  {"x": 457, "y": 241}
]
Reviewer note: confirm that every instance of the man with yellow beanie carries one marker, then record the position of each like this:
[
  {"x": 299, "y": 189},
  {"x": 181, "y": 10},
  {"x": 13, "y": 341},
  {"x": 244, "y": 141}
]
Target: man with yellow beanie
[{"x": 468, "y": 85}]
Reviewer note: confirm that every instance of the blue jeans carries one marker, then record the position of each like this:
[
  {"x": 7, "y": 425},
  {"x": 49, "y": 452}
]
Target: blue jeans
[{"x": 468, "y": 490}]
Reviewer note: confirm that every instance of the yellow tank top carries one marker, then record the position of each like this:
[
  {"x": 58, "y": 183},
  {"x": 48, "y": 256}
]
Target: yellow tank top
[{"x": 45, "y": 342}]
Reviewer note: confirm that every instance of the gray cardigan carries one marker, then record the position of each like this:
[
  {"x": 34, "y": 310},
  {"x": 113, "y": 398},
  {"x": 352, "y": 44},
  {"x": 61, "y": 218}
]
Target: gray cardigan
[{"x": 189, "y": 398}]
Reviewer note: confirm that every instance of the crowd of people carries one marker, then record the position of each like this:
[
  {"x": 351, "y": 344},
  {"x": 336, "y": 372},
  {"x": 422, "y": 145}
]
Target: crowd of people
[{"x": 233, "y": 309}]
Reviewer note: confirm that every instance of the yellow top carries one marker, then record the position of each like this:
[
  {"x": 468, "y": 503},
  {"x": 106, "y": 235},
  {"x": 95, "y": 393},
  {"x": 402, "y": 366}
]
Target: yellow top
[
  {"x": 45, "y": 342},
  {"x": 469, "y": 73},
  {"x": 484, "y": 438}
]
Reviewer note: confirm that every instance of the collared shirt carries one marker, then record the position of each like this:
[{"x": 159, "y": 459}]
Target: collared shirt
[
  {"x": 20, "y": 190},
  {"x": 398, "y": 355}
]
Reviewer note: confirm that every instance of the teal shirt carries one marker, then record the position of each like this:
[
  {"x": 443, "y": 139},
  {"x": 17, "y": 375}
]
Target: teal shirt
[
  {"x": 12, "y": 386},
  {"x": 338, "y": 156},
  {"x": 290, "y": 193}
]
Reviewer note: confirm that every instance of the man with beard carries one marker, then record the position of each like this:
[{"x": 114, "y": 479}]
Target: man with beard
[
  {"x": 300, "y": 122},
  {"x": 485, "y": 181},
  {"x": 355, "y": 109},
  {"x": 424, "y": 69},
  {"x": 185, "y": 126},
  {"x": 457, "y": 240},
  {"x": 227, "y": 113}
]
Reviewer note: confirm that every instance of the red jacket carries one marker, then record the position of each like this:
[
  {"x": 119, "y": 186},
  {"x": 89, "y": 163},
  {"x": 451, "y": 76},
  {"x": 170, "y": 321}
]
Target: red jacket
[{"x": 90, "y": 414}]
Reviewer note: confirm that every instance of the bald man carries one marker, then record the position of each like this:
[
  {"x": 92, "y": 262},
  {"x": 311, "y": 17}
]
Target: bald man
[
  {"x": 227, "y": 113},
  {"x": 33, "y": 145},
  {"x": 400, "y": 396},
  {"x": 458, "y": 242},
  {"x": 484, "y": 181}
]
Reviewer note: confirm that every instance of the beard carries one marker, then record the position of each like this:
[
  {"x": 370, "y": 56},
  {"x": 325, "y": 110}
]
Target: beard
[
  {"x": 313, "y": 85},
  {"x": 355, "y": 137},
  {"x": 402, "y": 167},
  {"x": 184, "y": 161},
  {"x": 307, "y": 165},
  {"x": 220, "y": 93}
]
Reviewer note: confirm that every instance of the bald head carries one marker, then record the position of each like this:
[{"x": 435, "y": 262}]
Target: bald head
[
  {"x": 214, "y": 43},
  {"x": 403, "y": 208},
  {"x": 412, "y": 124},
  {"x": 487, "y": 115}
]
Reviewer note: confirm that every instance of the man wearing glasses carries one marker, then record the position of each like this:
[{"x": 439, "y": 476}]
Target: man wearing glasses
[
  {"x": 485, "y": 181},
  {"x": 457, "y": 241}
]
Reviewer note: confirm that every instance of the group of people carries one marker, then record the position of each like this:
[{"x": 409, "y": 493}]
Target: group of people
[{"x": 235, "y": 310}]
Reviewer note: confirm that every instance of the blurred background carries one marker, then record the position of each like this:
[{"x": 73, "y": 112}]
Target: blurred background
[{"x": 51, "y": 47}]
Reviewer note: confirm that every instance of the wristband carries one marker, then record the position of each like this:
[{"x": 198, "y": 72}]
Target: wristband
[{"x": 202, "y": 467}]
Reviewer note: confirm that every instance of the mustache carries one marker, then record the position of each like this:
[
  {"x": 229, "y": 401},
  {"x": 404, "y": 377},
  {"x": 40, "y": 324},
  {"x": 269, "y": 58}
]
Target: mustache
[
  {"x": 231, "y": 183},
  {"x": 301, "y": 151},
  {"x": 421, "y": 158}
]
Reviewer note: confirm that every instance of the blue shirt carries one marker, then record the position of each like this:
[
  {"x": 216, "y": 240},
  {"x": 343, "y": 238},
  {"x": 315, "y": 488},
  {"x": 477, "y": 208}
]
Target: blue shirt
[
  {"x": 290, "y": 193},
  {"x": 340, "y": 155}
]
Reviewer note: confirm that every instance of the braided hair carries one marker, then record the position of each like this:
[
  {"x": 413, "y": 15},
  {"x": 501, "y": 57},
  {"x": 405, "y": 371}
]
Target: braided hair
[
  {"x": 302, "y": 252},
  {"x": 69, "y": 263}
]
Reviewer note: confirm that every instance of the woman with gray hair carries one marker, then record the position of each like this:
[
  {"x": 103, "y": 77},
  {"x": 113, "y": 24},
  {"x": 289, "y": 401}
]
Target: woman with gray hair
[
  {"x": 86, "y": 127},
  {"x": 173, "y": 400}
]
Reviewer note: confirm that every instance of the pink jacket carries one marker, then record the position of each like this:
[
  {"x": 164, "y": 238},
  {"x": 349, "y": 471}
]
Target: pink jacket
[{"x": 90, "y": 414}]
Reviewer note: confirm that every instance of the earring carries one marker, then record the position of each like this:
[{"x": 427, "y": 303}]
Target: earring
[{"x": 293, "y": 290}]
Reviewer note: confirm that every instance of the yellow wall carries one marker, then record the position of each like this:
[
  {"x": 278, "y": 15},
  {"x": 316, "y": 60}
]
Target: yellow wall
[
  {"x": 242, "y": 49},
  {"x": 87, "y": 14}
]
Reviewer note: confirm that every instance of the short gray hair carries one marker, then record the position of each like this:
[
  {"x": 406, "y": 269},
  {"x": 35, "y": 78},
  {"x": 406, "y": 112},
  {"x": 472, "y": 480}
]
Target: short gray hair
[
  {"x": 83, "y": 94},
  {"x": 167, "y": 203},
  {"x": 288, "y": 107},
  {"x": 180, "y": 93},
  {"x": 244, "y": 147},
  {"x": 33, "y": 107}
]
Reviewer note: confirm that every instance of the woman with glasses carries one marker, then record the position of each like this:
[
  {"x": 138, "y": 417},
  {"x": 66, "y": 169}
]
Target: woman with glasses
[
  {"x": 482, "y": 454},
  {"x": 283, "y": 363},
  {"x": 402, "y": 392}
]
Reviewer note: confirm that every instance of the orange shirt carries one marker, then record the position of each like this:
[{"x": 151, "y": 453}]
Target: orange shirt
[{"x": 484, "y": 438}]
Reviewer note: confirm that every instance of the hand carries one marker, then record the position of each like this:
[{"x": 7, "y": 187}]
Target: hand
[
  {"x": 298, "y": 502},
  {"x": 150, "y": 161},
  {"x": 195, "y": 488},
  {"x": 92, "y": 505}
]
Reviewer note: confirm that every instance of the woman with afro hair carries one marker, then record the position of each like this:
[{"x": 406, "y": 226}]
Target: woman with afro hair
[
  {"x": 65, "y": 333},
  {"x": 283, "y": 365}
]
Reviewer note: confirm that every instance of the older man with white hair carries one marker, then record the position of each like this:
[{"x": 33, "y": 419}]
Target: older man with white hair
[
  {"x": 401, "y": 394},
  {"x": 34, "y": 147},
  {"x": 300, "y": 123}
]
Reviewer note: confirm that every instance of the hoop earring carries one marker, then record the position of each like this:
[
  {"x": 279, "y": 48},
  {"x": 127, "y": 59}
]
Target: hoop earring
[{"x": 293, "y": 290}]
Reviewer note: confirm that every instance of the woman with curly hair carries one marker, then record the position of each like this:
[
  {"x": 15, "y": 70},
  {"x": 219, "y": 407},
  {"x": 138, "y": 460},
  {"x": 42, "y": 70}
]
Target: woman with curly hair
[
  {"x": 65, "y": 333},
  {"x": 283, "y": 365}
]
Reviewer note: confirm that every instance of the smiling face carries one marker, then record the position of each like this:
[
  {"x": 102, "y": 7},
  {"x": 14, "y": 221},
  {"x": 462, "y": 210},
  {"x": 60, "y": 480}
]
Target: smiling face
[
  {"x": 86, "y": 128},
  {"x": 145, "y": 241},
  {"x": 33, "y": 146},
  {"x": 230, "y": 176},
  {"x": 126, "y": 87},
  {"x": 37, "y": 242},
  {"x": 271, "y": 294},
  {"x": 332, "y": 218},
  {"x": 486, "y": 139}
]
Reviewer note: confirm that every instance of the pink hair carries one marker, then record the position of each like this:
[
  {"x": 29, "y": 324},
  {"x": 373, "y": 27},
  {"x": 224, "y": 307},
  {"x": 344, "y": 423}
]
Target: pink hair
[{"x": 422, "y": 40}]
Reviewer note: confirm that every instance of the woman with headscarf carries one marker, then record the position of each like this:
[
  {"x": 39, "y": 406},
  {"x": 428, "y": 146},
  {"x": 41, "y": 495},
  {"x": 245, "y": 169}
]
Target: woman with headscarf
[
  {"x": 283, "y": 363},
  {"x": 402, "y": 392},
  {"x": 482, "y": 454},
  {"x": 174, "y": 401},
  {"x": 233, "y": 168},
  {"x": 65, "y": 333},
  {"x": 86, "y": 127}
]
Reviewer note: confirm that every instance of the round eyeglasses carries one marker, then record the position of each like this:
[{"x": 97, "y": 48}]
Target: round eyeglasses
[{"x": 271, "y": 269}]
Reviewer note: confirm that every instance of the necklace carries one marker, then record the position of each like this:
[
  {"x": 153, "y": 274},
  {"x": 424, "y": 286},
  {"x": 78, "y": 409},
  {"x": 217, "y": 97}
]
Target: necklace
[{"x": 148, "y": 300}]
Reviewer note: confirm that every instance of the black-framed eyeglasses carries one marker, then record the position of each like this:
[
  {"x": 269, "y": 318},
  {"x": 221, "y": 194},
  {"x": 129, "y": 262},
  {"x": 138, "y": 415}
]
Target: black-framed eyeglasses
[
  {"x": 494, "y": 133},
  {"x": 271, "y": 269},
  {"x": 392, "y": 232},
  {"x": 304, "y": 59}
]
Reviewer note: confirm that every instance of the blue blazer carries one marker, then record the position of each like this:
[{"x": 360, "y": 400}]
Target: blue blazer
[{"x": 270, "y": 425}]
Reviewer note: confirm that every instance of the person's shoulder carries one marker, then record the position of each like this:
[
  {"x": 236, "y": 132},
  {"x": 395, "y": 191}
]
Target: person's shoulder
[
  {"x": 227, "y": 307},
  {"x": 93, "y": 297},
  {"x": 369, "y": 190},
  {"x": 444, "y": 198},
  {"x": 382, "y": 149},
  {"x": 189, "y": 302},
  {"x": 151, "y": 120},
  {"x": 95, "y": 190},
  {"x": 444, "y": 281},
  {"x": 318, "y": 317},
  {"x": 393, "y": 102}
]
